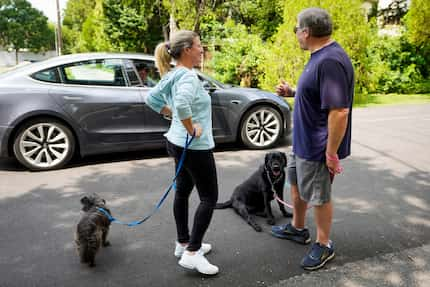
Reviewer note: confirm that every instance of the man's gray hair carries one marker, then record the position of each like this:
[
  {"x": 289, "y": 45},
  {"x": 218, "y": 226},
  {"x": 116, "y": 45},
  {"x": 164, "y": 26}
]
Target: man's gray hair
[{"x": 317, "y": 20}]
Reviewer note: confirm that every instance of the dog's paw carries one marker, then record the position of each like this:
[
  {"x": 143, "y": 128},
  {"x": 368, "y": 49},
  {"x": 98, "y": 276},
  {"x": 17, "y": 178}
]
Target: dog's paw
[
  {"x": 287, "y": 214},
  {"x": 106, "y": 244},
  {"x": 258, "y": 228},
  {"x": 261, "y": 214},
  {"x": 270, "y": 221}
]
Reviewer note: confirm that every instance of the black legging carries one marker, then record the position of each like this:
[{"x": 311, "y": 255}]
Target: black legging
[{"x": 199, "y": 169}]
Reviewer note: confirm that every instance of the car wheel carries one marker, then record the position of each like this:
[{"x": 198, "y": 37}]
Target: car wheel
[
  {"x": 44, "y": 144},
  {"x": 261, "y": 127}
]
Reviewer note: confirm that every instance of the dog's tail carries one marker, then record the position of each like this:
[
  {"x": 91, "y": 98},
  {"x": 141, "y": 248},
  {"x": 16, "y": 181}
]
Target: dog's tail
[{"x": 224, "y": 205}]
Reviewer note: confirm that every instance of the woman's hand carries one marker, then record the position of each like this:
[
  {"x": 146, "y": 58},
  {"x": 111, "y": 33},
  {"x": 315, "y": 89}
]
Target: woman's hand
[
  {"x": 192, "y": 127},
  {"x": 166, "y": 111},
  {"x": 198, "y": 130}
]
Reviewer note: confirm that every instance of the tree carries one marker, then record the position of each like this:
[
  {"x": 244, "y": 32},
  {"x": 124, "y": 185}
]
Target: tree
[
  {"x": 22, "y": 26},
  {"x": 261, "y": 17},
  {"x": 134, "y": 25},
  {"x": 93, "y": 33},
  {"x": 417, "y": 31},
  {"x": 417, "y": 20},
  {"x": 238, "y": 58},
  {"x": 190, "y": 14},
  {"x": 75, "y": 15},
  {"x": 113, "y": 25}
]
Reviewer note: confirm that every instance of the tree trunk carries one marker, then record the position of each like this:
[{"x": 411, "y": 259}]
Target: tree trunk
[
  {"x": 172, "y": 23},
  {"x": 16, "y": 56},
  {"x": 200, "y": 7}
]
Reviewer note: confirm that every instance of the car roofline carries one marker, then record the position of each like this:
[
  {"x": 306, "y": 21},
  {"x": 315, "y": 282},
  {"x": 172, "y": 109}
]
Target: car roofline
[{"x": 72, "y": 58}]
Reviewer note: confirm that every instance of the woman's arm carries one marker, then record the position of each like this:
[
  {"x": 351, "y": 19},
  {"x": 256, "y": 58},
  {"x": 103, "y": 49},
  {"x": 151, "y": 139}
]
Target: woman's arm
[
  {"x": 186, "y": 92},
  {"x": 155, "y": 101}
]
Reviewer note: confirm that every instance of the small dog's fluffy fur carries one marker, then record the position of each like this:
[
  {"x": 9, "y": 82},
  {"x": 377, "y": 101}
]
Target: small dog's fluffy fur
[{"x": 92, "y": 229}]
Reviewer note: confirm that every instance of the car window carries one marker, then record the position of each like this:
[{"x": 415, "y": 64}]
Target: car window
[
  {"x": 131, "y": 74},
  {"x": 102, "y": 72},
  {"x": 147, "y": 72},
  {"x": 50, "y": 75}
]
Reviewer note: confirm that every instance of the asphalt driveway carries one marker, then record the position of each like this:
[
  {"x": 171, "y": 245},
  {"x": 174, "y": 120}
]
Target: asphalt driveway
[{"x": 382, "y": 204}]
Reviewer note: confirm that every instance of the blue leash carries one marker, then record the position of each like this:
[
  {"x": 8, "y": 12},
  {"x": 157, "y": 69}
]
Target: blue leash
[{"x": 173, "y": 185}]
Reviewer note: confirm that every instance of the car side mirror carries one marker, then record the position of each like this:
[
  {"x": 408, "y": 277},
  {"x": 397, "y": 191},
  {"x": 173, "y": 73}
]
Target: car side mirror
[{"x": 208, "y": 86}]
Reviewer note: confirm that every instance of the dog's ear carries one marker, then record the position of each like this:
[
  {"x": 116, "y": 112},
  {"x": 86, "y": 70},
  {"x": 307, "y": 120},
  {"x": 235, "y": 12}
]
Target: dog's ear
[
  {"x": 266, "y": 158},
  {"x": 85, "y": 200},
  {"x": 284, "y": 156}
]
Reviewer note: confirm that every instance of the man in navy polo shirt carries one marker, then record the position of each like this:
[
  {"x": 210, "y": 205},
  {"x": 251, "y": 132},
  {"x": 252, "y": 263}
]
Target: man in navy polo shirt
[{"x": 321, "y": 133}]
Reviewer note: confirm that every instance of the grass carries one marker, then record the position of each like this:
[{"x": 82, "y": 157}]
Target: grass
[
  {"x": 395, "y": 99},
  {"x": 388, "y": 99}
]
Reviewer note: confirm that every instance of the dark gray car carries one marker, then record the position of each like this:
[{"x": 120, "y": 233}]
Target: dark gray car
[{"x": 94, "y": 103}]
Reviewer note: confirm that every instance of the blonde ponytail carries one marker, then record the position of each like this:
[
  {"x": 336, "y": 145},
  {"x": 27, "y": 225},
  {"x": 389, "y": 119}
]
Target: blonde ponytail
[{"x": 162, "y": 58}]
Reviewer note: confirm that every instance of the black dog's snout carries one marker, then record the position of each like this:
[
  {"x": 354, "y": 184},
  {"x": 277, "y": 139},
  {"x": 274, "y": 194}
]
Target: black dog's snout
[{"x": 276, "y": 166}]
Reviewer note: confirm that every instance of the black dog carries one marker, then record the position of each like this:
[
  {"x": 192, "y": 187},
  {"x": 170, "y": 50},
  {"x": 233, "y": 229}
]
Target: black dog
[
  {"x": 92, "y": 229},
  {"x": 255, "y": 194}
]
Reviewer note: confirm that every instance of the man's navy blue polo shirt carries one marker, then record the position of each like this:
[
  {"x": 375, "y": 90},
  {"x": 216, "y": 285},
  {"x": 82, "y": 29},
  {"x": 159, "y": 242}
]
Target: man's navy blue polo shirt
[{"x": 327, "y": 82}]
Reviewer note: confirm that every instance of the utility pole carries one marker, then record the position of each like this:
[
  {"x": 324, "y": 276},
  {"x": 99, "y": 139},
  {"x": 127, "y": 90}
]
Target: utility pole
[
  {"x": 59, "y": 42},
  {"x": 172, "y": 23}
]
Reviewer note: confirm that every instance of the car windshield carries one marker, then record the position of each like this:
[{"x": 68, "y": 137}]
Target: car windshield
[{"x": 205, "y": 77}]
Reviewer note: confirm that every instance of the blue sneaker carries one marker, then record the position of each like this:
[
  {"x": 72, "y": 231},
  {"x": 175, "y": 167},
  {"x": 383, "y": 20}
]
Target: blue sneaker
[
  {"x": 318, "y": 256},
  {"x": 289, "y": 232}
]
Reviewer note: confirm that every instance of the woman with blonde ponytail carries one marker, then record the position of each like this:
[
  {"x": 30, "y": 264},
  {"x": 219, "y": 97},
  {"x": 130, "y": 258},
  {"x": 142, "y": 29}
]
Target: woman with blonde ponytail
[{"x": 181, "y": 95}]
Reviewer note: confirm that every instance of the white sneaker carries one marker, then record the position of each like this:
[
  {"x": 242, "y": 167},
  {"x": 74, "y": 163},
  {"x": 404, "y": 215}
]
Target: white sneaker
[
  {"x": 199, "y": 262},
  {"x": 179, "y": 249}
]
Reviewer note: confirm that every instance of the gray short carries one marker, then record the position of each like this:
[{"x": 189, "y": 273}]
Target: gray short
[{"x": 312, "y": 179}]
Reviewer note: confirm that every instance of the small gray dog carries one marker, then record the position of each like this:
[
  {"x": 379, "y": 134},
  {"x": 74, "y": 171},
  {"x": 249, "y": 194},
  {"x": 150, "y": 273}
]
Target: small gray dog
[{"x": 92, "y": 229}]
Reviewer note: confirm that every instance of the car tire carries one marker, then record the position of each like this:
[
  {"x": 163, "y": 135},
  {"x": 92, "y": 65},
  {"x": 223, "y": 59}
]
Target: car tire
[
  {"x": 261, "y": 127},
  {"x": 43, "y": 144}
]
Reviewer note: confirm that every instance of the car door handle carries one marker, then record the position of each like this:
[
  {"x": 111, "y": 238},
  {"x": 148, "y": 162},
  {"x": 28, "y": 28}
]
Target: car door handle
[
  {"x": 236, "y": 102},
  {"x": 76, "y": 98}
]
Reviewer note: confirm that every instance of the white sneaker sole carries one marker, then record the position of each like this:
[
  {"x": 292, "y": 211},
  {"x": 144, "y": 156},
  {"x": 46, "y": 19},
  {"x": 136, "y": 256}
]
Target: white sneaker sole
[{"x": 194, "y": 268}]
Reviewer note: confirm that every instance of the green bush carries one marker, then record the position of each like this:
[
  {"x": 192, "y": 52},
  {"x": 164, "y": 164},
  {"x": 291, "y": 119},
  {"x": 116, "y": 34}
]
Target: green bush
[
  {"x": 237, "y": 55},
  {"x": 397, "y": 66}
]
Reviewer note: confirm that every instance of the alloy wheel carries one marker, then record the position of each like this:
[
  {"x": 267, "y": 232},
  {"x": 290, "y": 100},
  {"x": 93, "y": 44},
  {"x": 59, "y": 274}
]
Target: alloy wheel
[
  {"x": 44, "y": 145},
  {"x": 262, "y": 127}
]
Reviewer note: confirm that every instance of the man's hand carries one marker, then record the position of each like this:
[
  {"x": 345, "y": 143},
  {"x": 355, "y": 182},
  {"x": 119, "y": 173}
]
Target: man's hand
[
  {"x": 284, "y": 89},
  {"x": 333, "y": 164}
]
